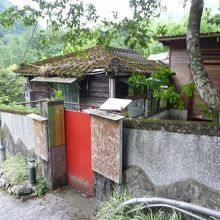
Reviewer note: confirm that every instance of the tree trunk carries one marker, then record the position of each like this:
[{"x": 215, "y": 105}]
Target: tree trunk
[{"x": 205, "y": 87}]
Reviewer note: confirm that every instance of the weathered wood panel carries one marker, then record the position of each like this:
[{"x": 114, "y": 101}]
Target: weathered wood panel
[
  {"x": 107, "y": 147},
  {"x": 39, "y": 90},
  {"x": 94, "y": 90}
]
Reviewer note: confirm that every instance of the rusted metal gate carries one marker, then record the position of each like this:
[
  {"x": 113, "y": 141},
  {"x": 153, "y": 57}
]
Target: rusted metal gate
[{"x": 78, "y": 141}]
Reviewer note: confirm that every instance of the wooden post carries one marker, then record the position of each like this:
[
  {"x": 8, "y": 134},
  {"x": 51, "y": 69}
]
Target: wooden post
[{"x": 112, "y": 87}]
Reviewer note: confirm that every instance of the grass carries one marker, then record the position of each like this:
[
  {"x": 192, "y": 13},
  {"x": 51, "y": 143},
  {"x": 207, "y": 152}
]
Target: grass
[
  {"x": 20, "y": 108},
  {"x": 15, "y": 169},
  {"x": 135, "y": 212},
  {"x": 41, "y": 187}
]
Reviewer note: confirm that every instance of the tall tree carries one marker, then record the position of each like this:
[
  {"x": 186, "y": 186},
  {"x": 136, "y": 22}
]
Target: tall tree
[{"x": 205, "y": 87}]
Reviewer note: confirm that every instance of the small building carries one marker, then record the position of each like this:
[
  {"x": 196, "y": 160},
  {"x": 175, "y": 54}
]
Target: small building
[
  {"x": 87, "y": 79},
  {"x": 179, "y": 63}
]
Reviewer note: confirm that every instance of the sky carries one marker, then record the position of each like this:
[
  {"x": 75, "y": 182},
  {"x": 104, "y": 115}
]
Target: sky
[{"x": 105, "y": 7}]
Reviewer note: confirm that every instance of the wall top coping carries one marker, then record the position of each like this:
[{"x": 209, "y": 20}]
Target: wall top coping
[{"x": 185, "y": 127}]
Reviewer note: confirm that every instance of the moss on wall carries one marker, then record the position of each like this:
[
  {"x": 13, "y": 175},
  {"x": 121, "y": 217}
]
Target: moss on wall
[{"x": 185, "y": 127}]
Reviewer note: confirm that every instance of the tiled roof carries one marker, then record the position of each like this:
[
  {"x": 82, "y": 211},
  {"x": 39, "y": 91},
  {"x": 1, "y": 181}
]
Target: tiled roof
[{"x": 98, "y": 57}]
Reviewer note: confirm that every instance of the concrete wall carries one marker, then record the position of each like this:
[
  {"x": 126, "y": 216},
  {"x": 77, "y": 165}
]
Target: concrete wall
[
  {"x": 174, "y": 156},
  {"x": 40, "y": 137},
  {"x": 170, "y": 157},
  {"x": 20, "y": 128},
  {"x": 27, "y": 135}
]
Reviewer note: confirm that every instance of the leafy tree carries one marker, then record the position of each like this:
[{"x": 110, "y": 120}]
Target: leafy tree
[
  {"x": 11, "y": 86},
  {"x": 44, "y": 44},
  {"x": 76, "y": 20}
]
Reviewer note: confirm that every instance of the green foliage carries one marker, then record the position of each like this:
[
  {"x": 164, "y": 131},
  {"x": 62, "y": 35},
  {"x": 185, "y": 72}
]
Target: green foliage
[
  {"x": 71, "y": 28},
  {"x": 206, "y": 112},
  {"x": 188, "y": 89},
  {"x": 41, "y": 187},
  {"x": 137, "y": 84},
  {"x": 11, "y": 91},
  {"x": 44, "y": 44},
  {"x": 106, "y": 209},
  {"x": 21, "y": 108},
  {"x": 58, "y": 94},
  {"x": 74, "y": 17},
  {"x": 157, "y": 80},
  {"x": 11, "y": 86},
  {"x": 136, "y": 212},
  {"x": 160, "y": 77},
  {"x": 172, "y": 96},
  {"x": 12, "y": 173}
]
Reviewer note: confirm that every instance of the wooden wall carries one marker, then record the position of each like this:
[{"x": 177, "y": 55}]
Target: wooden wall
[
  {"x": 179, "y": 63},
  {"x": 39, "y": 90},
  {"x": 94, "y": 90}
]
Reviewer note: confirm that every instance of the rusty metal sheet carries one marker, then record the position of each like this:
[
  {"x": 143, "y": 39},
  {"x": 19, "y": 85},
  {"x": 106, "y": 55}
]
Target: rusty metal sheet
[
  {"x": 107, "y": 147},
  {"x": 54, "y": 79}
]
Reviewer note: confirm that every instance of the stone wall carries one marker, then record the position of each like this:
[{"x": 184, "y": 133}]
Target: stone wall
[{"x": 178, "y": 160}]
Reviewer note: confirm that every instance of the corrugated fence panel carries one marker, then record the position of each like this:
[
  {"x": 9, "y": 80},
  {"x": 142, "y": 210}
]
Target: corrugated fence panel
[{"x": 78, "y": 140}]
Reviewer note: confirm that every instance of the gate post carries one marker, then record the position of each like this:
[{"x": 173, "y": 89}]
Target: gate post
[{"x": 54, "y": 110}]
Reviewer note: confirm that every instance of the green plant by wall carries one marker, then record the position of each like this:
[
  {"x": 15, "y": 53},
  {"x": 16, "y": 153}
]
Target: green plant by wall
[
  {"x": 11, "y": 91},
  {"x": 188, "y": 89},
  {"x": 11, "y": 86},
  {"x": 15, "y": 169},
  {"x": 171, "y": 95},
  {"x": 137, "y": 84},
  {"x": 161, "y": 77},
  {"x": 41, "y": 187},
  {"x": 58, "y": 94},
  {"x": 21, "y": 108},
  {"x": 107, "y": 210},
  {"x": 206, "y": 112},
  {"x": 160, "y": 83}
]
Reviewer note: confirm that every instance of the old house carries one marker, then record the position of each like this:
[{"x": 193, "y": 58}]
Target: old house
[
  {"x": 179, "y": 63},
  {"x": 86, "y": 79}
]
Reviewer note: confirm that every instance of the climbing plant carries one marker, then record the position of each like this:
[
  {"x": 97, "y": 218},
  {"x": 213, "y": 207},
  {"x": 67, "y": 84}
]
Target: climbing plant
[
  {"x": 160, "y": 84},
  {"x": 137, "y": 84}
]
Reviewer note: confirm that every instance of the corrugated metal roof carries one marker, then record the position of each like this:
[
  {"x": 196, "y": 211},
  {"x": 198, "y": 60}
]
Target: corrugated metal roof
[
  {"x": 104, "y": 114},
  {"x": 98, "y": 57},
  {"x": 183, "y": 37},
  {"x": 54, "y": 79},
  {"x": 115, "y": 104},
  {"x": 163, "y": 57}
]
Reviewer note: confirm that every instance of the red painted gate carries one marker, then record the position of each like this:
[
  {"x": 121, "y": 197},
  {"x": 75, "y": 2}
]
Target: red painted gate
[{"x": 78, "y": 142}]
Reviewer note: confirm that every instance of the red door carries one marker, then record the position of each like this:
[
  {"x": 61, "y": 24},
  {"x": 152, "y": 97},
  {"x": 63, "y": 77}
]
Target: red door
[{"x": 78, "y": 141}]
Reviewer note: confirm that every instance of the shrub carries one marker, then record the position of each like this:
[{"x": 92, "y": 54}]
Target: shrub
[
  {"x": 41, "y": 187},
  {"x": 15, "y": 169},
  {"x": 135, "y": 212}
]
